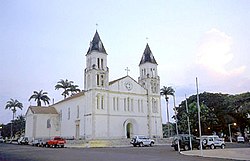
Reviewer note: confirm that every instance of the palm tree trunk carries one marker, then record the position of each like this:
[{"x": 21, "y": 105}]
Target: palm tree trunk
[
  {"x": 11, "y": 126},
  {"x": 39, "y": 103},
  {"x": 168, "y": 120}
]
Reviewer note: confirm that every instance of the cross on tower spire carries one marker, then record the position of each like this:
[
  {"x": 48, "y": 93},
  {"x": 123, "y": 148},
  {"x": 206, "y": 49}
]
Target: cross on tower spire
[{"x": 96, "y": 25}]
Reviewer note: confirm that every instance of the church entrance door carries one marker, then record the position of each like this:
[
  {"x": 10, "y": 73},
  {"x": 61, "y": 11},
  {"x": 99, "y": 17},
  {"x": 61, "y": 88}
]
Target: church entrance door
[{"x": 129, "y": 128}]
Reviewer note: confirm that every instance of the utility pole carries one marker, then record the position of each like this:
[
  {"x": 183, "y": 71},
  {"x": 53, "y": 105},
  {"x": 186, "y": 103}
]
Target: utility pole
[
  {"x": 189, "y": 132},
  {"x": 199, "y": 117}
]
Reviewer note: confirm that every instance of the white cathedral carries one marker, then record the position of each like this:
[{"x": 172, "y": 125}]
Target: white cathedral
[{"x": 105, "y": 109}]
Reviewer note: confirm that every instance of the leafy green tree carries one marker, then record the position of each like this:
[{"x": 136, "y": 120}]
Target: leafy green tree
[
  {"x": 165, "y": 130},
  {"x": 67, "y": 87},
  {"x": 240, "y": 109},
  {"x": 217, "y": 111},
  {"x": 39, "y": 97},
  {"x": 13, "y": 105},
  {"x": 167, "y": 91},
  {"x": 19, "y": 125}
]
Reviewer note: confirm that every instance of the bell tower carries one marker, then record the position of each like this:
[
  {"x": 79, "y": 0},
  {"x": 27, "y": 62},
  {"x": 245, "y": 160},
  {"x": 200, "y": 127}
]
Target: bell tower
[
  {"x": 149, "y": 78},
  {"x": 96, "y": 73}
]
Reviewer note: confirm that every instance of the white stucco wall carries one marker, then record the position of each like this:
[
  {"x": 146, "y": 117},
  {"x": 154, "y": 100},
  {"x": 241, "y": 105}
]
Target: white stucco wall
[{"x": 69, "y": 119}]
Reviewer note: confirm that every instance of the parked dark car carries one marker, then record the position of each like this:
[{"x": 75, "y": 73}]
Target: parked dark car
[{"x": 184, "y": 142}]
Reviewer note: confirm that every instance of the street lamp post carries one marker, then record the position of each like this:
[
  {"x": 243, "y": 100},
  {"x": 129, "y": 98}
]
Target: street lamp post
[
  {"x": 1, "y": 129},
  {"x": 229, "y": 128},
  {"x": 177, "y": 133}
]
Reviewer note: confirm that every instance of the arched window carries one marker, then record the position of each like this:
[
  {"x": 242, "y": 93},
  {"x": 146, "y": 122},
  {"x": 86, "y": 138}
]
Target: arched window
[
  {"x": 68, "y": 113},
  {"x": 78, "y": 111},
  {"x": 139, "y": 107},
  {"x": 117, "y": 102},
  {"x": 102, "y": 103},
  {"x": 102, "y": 63},
  {"x": 97, "y": 101},
  {"x": 128, "y": 103},
  {"x": 132, "y": 105},
  {"x": 154, "y": 105},
  {"x": 142, "y": 106},
  {"x": 114, "y": 108},
  {"x": 48, "y": 123},
  {"x": 102, "y": 80},
  {"x": 124, "y": 102},
  {"x": 97, "y": 80},
  {"x": 98, "y": 63}
]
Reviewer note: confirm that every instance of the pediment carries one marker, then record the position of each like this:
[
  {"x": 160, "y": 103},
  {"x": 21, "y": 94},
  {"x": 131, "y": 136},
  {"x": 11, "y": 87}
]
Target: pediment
[{"x": 126, "y": 84}]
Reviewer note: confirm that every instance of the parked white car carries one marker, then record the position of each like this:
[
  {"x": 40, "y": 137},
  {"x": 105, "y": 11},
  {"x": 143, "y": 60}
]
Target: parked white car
[
  {"x": 141, "y": 140},
  {"x": 240, "y": 139},
  {"x": 212, "y": 141}
]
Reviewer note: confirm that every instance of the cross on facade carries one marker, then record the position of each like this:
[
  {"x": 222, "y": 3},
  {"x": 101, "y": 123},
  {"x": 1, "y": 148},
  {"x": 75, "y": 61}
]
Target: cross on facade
[{"x": 127, "y": 70}]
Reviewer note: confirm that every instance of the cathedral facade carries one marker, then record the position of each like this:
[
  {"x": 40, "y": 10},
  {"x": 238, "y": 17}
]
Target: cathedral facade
[{"x": 104, "y": 109}]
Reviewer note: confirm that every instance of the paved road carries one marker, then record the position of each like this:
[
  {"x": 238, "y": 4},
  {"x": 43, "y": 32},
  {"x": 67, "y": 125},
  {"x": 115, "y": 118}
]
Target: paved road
[{"x": 12, "y": 152}]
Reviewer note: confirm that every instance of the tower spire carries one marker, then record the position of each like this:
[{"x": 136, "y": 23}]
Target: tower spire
[
  {"x": 96, "y": 44},
  {"x": 147, "y": 56}
]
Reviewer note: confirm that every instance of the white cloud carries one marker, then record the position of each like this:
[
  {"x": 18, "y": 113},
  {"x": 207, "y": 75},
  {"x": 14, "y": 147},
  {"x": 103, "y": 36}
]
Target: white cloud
[{"x": 214, "y": 53}]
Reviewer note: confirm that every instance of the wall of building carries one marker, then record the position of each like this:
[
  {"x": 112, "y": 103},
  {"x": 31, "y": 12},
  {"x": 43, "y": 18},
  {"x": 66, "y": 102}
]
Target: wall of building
[{"x": 71, "y": 112}]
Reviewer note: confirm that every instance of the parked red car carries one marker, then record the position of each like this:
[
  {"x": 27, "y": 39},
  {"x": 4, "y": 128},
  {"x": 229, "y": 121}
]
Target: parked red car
[{"x": 55, "y": 142}]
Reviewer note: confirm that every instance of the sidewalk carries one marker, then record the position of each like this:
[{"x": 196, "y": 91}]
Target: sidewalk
[{"x": 230, "y": 153}]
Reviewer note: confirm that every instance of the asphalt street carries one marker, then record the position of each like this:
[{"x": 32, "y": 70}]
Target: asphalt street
[{"x": 13, "y": 152}]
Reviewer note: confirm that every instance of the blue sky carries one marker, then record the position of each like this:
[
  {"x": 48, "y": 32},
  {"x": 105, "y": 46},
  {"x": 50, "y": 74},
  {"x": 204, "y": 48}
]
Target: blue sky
[{"x": 44, "y": 41}]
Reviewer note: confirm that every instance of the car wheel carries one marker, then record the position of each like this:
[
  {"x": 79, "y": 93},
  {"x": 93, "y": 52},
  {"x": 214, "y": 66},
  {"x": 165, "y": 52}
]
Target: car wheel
[
  {"x": 141, "y": 144},
  {"x": 204, "y": 142},
  {"x": 186, "y": 147},
  {"x": 151, "y": 144},
  {"x": 62, "y": 146},
  {"x": 212, "y": 146},
  {"x": 223, "y": 146},
  {"x": 134, "y": 145}
]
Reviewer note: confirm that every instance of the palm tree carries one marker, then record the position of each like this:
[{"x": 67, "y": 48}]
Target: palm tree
[
  {"x": 39, "y": 97},
  {"x": 13, "y": 105},
  {"x": 74, "y": 89},
  {"x": 167, "y": 91},
  {"x": 67, "y": 86}
]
